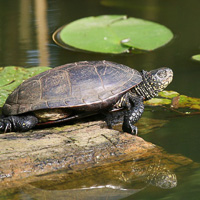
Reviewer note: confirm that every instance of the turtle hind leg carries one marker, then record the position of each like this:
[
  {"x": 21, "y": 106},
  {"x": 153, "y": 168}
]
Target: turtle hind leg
[
  {"x": 18, "y": 123},
  {"x": 113, "y": 118}
]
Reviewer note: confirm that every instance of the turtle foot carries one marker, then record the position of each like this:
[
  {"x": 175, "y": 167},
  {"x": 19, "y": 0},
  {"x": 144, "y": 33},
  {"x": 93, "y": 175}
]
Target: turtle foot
[{"x": 133, "y": 130}]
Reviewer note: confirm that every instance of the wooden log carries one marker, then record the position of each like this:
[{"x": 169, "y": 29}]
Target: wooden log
[{"x": 79, "y": 146}]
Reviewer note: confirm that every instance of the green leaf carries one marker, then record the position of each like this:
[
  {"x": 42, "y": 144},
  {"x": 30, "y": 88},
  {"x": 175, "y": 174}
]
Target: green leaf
[
  {"x": 176, "y": 101},
  {"x": 196, "y": 57},
  {"x": 191, "y": 102},
  {"x": 168, "y": 94},
  {"x": 113, "y": 34},
  {"x": 11, "y": 77}
]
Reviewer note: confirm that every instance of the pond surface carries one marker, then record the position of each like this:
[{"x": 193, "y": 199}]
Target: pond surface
[{"x": 26, "y": 27}]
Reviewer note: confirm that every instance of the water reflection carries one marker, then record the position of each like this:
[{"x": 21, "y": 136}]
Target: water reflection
[
  {"x": 42, "y": 31},
  {"x": 115, "y": 181},
  {"x": 24, "y": 27},
  {"x": 95, "y": 193},
  {"x": 155, "y": 172},
  {"x": 153, "y": 169}
]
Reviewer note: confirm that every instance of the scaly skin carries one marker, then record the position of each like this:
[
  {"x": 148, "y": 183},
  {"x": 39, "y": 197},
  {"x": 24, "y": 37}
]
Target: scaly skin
[
  {"x": 133, "y": 114},
  {"x": 18, "y": 123}
]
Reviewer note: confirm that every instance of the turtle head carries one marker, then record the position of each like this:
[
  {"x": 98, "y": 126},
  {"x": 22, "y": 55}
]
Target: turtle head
[
  {"x": 153, "y": 82},
  {"x": 160, "y": 78}
]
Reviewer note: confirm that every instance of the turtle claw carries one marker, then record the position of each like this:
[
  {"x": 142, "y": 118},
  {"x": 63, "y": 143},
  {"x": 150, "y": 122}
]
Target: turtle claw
[
  {"x": 8, "y": 128},
  {"x": 134, "y": 131},
  {"x": 130, "y": 128},
  {"x": 2, "y": 126},
  {"x": 5, "y": 125}
]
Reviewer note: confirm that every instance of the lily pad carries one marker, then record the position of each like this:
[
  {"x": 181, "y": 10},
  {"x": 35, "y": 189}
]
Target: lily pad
[
  {"x": 191, "y": 102},
  {"x": 168, "y": 94},
  {"x": 112, "y": 34},
  {"x": 11, "y": 77},
  {"x": 196, "y": 57},
  {"x": 176, "y": 101}
]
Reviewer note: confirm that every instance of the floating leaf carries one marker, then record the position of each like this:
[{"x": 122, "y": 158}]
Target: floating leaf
[
  {"x": 176, "y": 101},
  {"x": 168, "y": 94},
  {"x": 11, "y": 77},
  {"x": 191, "y": 102},
  {"x": 196, "y": 57},
  {"x": 112, "y": 34}
]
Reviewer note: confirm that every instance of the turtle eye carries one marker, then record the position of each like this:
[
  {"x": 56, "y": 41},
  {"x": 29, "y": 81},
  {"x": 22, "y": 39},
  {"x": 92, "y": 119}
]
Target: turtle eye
[{"x": 162, "y": 74}]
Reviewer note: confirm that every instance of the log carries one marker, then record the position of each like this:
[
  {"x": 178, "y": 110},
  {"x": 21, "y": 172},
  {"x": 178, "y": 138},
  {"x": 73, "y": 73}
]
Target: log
[{"x": 69, "y": 147}]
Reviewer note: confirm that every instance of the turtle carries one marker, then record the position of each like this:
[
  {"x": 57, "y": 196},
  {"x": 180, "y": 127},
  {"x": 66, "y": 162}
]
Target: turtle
[{"x": 80, "y": 89}]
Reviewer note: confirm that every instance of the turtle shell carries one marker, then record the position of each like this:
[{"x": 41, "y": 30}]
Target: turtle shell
[{"x": 85, "y": 85}]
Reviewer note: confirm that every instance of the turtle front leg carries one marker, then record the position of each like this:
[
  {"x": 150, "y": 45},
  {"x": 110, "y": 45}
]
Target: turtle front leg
[
  {"x": 18, "y": 123},
  {"x": 135, "y": 106}
]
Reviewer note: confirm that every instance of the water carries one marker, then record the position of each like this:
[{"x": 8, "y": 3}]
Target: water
[{"x": 26, "y": 27}]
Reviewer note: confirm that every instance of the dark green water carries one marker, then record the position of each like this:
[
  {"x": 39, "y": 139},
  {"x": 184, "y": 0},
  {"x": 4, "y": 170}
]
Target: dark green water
[{"x": 24, "y": 43}]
